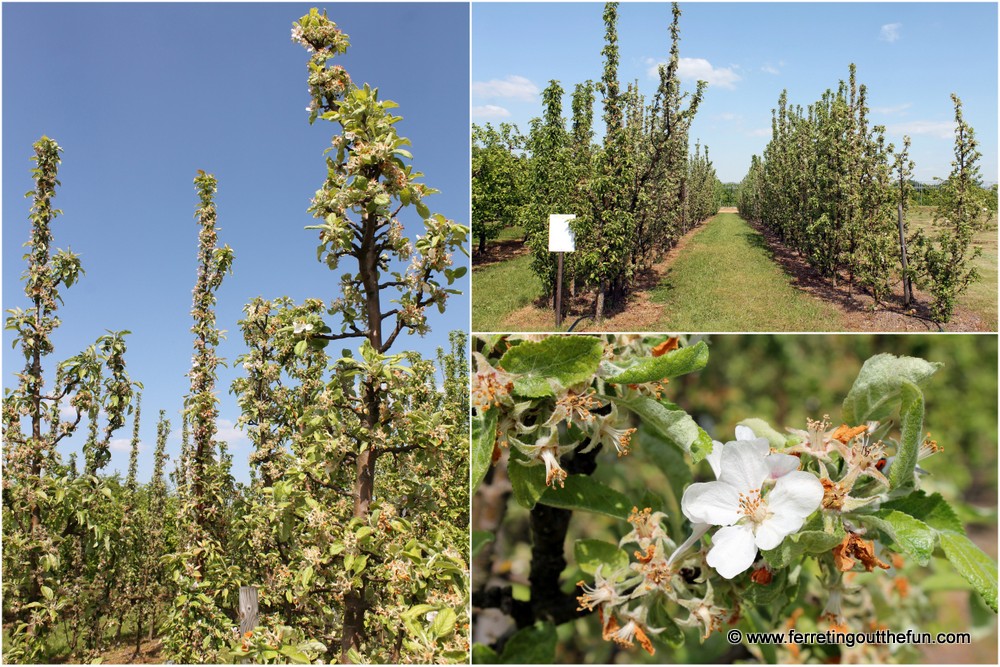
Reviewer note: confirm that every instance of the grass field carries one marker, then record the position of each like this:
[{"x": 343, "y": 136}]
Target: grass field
[
  {"x": 981, "y": 296},
  {"x": 500, "y": 289},
  {"x": 725, "y": 280}
]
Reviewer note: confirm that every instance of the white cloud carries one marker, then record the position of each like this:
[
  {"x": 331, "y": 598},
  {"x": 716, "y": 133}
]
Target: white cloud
[
  {"x": 697, "y": 69},
  {"x": 729, "y": 116},
  {"x": 760, "y": 132},
  {"x": 899, "y": 109},
  {"x": 229, "y": 432},
  {"x": 123, "y": 445},
  {"x": 943, "y": 129},
  {"x": 770, "y": 69},
  {"x": 489, "y": 111},
  {"x": 512, "y": 87},
  {"x": 889, "y": 32}
]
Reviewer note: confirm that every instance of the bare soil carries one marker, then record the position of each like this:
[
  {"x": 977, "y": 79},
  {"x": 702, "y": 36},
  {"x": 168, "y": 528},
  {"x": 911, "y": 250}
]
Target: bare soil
[
  {"x": 861, "y": 313},
  {"x": 150, "y": 653},
  {"x": 499, "y": 251}
]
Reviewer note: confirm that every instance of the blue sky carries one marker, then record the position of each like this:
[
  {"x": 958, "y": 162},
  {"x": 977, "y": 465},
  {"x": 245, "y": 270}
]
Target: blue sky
[
  {"x": 140, "y": 97},
  {"x": 911, "y": 56}
]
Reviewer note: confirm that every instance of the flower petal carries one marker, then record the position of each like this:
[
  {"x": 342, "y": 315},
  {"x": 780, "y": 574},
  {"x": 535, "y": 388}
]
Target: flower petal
[
  {"x": 797, "y": 493},
  {"x": 780, "y": 465},
  {"x": 775, "y": 528},
  {"x": 743, "y": 465},
  {"x": 733, "y": 550},
  {"x": 745, "y": 433},
  {"x": 714, "y": 457},
  {"x": 714, "y": 503}
]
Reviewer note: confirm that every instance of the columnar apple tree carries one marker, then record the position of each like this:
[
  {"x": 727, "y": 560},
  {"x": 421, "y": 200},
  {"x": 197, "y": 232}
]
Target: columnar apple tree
[{"x": 632, "y": 194}]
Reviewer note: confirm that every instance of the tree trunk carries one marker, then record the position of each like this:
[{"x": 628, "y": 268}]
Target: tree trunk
[
  {"x": 599, "y": 308},
  {"x": 907, "y": 287},
  {"x": 354, "y": 600}
]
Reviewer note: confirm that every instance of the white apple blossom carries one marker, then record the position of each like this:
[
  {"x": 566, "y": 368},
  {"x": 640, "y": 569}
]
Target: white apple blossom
[
  {"x": 750, "y": 517},
  {"x": 778, "y": 465}
]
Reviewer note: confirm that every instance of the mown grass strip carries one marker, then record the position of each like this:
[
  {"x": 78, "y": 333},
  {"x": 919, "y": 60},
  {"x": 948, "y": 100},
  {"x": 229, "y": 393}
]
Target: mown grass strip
[
  {"x": 499, "y": 289},
  {"x": 725, "y": 280}
]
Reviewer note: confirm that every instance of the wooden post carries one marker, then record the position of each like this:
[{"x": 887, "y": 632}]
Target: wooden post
[
  {"x": 559, "y": 278},
  {"x": 907, "y": 288},
  {"x": 248, "y": 609}
]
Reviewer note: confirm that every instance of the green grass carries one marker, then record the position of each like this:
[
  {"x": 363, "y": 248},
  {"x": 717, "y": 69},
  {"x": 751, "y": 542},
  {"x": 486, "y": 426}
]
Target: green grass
[
  {"x": 515, "y": 233},
  {"x": 505, "y": 286},
  {"x": 982, "y": 295},
  {"x": 725, "y": 280}
]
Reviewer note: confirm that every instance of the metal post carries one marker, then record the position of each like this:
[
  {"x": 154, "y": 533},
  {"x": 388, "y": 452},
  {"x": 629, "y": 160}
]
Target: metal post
[{"x": 559, "y": 277}]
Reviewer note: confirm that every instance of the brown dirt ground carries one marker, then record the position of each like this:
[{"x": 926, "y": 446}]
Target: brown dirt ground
[
  {"x": 499, "y": 251},
  {"x": 858, "y": 308},
  {"x": 150, "y": 653}
]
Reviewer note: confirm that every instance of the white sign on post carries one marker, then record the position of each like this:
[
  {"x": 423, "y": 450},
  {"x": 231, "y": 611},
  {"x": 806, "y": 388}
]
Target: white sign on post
[{"x": 561, "y": 237}]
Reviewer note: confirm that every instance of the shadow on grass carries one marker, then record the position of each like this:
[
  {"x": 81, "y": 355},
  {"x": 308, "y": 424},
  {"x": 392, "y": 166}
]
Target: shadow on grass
[{"x": 851, "y": 299}]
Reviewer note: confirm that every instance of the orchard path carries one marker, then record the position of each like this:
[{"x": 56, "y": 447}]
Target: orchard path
[{"x": 727, "y": 279}]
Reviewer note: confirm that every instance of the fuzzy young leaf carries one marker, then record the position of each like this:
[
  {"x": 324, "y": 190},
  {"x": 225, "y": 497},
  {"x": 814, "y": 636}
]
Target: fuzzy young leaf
[
  {"x": 912, "y": 535},
  {"x": 877, "y": 390},
  {"x": 673, "y": 364},
  {"x": 978, "y": 569},
  {"x": 677, "y": 426},
  {"x": 568, "y": 360},
  {"x": 484, "y": 435},
  {"x": 911, "y": 414}
]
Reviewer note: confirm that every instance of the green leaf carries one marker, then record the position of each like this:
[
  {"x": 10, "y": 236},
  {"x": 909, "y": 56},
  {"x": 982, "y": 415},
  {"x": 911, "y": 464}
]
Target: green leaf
[
  {"x": 676, "y": 426},
  {"x": 911, "y": 413},
  {"x": 978, "y": 569},
  {"x": 568, "y": 360},
  {"x": 444, "y": 623},
  {"x": 590, "y": 554},
  {"x": 528, "y": 482},
  {"x": 766, "y": 594},
  {"x": 782, "y": 555},
  {"x": 762, "y": 429},
  {"x": 534, "y": 645},
  {"x": 931, "y": 509},
  {"x": 660, "y": 617},
  {"x": 484, "y": 655},
  {"x": 423, "y": 210},
  {"x": 817, "y": 541},
  {"x": 876, "y": 391},
  {"x": 673, "y": 364},
  {"x": 480, "y": 538},
  {"x": 47, "y": 592},
  {"x": 668, "y": 458},
  {"x": 582, "y": 492},
  {"x": 294, "y": 654},
  {"x": 912, "y": 536},
  {"x": 484, "y": 435}
]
